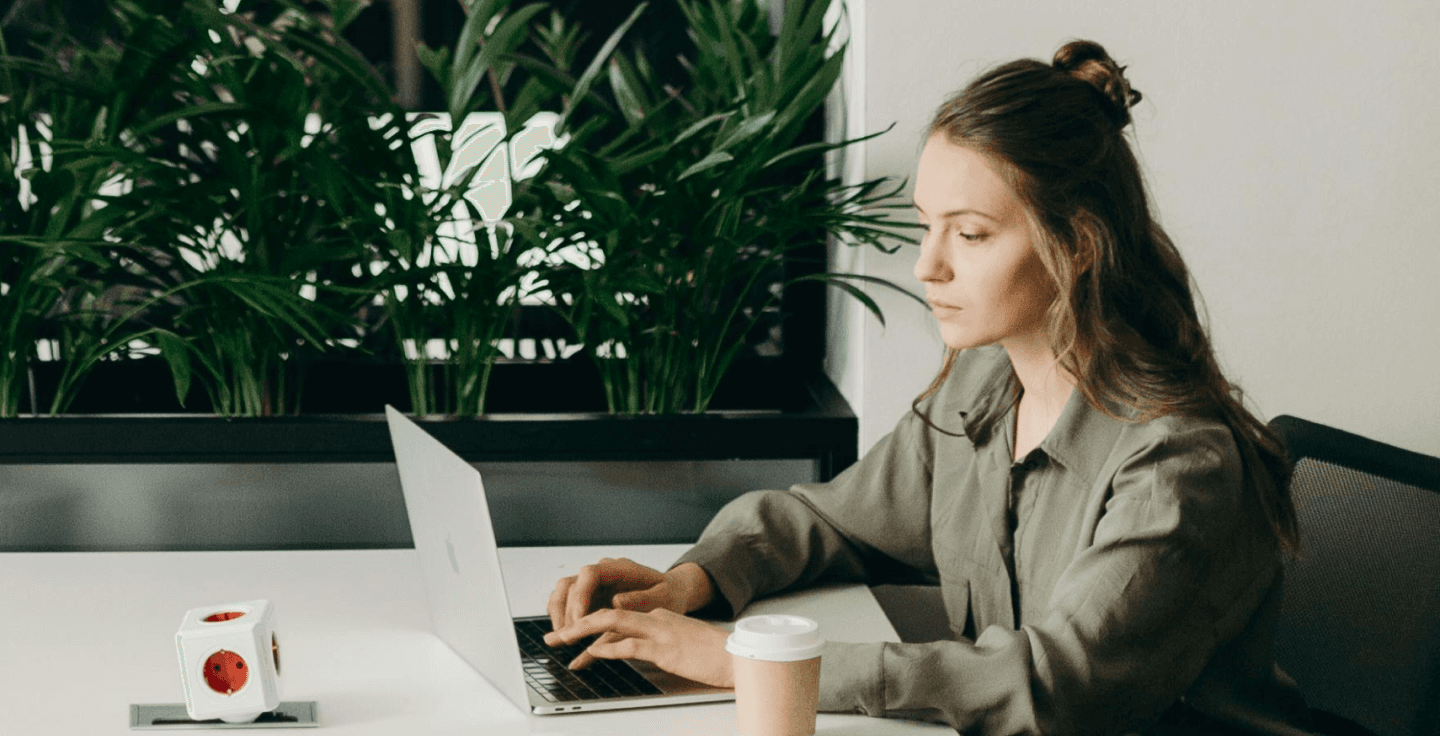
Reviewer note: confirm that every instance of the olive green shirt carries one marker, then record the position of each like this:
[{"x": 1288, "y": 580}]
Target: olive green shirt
[{"x": 1119, "y": 568}]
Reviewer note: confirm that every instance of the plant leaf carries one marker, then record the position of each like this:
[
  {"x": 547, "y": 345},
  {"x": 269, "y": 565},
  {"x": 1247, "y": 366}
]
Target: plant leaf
[
  {"x": 582, "y": 86},
  {"x": 711, "y": 161},
  {"x": 437, "y": 61},
  {"x": 478, "y": 14},
  {"x": 195, "y": 111},
  {"x": 697, "y": 127},
  {"x": 624, "y": 85},
  {"x": 346, "y": 11},
  {"x": 812, "y": 94},
  {"x": 507, "y": 37},
  {"x": 745, "y": 131},
  {"x": 177, "y": 354},
  {"x": 626, "y": 164},
  {"x": 809, "y": 148}
]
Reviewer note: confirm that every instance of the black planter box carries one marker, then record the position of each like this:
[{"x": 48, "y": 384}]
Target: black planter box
[
  {"x": 190, "y": 481},
  {"x": 761, "y": 412}
]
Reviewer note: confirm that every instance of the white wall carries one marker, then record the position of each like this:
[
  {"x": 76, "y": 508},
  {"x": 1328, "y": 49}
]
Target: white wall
[{"x": 1293, "y": 151}]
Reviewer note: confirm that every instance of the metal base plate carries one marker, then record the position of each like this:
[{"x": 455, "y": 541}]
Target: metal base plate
[{"x": 167, "y": 716}]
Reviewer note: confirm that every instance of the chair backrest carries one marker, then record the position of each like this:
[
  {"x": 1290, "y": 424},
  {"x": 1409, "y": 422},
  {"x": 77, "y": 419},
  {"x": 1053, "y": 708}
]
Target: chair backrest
[{"x": 1360, "y": 624}]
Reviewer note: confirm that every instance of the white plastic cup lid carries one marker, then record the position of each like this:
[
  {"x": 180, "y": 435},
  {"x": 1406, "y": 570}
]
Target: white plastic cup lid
[{"x": 776, "y": 638}]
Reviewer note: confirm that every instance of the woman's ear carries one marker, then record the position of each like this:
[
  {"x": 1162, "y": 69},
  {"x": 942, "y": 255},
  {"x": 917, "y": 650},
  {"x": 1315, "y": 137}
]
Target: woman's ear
[{"x": 1087, "y": 243}]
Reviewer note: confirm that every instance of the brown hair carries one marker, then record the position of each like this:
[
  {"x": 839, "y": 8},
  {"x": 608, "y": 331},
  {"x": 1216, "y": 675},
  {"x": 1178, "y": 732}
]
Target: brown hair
[{"x": 1124, "y": 323}]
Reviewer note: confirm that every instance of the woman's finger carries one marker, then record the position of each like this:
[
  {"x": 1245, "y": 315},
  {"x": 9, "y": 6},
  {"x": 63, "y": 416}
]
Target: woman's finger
[
  {"x": 672, "y": 642},
  {"x": 556, "y": 605},
  {"x": 638, "y": 600},
  {"x": 577, "y": 603},
  {"x": 613, "y": 647},
  {"x": 581, "y": 661},
  {"x": 606, "y": 620},
  {"x": 586, "y": 658}
]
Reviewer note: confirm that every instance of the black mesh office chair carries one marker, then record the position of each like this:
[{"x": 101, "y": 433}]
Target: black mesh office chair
[{"x": 1360, "y": 625}]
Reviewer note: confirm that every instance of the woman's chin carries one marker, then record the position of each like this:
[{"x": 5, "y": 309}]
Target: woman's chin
[{"x": 962, "y": 340}]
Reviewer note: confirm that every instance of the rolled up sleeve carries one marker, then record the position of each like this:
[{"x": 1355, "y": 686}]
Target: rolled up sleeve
[{"x": 870, "y": 522}]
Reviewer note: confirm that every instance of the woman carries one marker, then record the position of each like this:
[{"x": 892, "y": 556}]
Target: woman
[{"x": 1105, "y": 519}]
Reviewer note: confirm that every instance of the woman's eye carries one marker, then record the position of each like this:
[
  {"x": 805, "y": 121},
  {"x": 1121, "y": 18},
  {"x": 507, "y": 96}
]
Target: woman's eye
[{"x": 973, "y": 237}]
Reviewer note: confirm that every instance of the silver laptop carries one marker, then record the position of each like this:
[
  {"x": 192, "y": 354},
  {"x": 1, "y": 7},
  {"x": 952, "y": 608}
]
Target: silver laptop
[{"x": 460, "y": 562}]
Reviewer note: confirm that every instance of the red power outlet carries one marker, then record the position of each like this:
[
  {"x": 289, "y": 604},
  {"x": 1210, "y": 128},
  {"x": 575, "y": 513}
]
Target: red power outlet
[{"x": 226, "y": 672}]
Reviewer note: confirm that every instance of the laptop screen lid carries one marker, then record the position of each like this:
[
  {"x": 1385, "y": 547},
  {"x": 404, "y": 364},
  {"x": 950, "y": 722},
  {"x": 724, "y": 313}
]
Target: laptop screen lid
[{"x": 459, "y": 558}]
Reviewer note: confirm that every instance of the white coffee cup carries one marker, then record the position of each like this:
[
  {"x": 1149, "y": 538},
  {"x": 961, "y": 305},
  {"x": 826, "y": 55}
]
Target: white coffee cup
[{"x": 777, "y": 674}]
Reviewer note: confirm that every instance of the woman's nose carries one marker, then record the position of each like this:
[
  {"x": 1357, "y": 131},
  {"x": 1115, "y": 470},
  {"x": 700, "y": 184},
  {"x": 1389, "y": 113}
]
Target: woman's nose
[{"x": 931, "y": 265}]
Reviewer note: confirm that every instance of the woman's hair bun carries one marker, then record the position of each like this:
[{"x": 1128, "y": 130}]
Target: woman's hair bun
[{"x": 1088, "y": 61}]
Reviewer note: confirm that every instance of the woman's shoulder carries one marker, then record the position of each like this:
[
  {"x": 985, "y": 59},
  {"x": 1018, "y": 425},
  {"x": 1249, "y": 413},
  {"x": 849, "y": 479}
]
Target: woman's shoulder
[
  {"x": 1186, "y": 477},
  {"x": 1107, "y": 443},
  {"x": 1182, "y": 457},
  {"x": 1185, "y": 433}
]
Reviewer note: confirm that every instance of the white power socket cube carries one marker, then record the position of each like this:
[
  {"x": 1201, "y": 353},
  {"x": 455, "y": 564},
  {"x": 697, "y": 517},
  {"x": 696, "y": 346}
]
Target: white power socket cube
[{"x": 230, "y": 661}]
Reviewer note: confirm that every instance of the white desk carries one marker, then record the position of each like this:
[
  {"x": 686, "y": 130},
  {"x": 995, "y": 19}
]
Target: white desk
[{"x": 84, "y": 635}]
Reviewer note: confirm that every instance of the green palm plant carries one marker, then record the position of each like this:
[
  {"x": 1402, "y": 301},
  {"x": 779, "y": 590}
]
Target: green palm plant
[
  {"x": 694, "y": 202},
  {"x": 452, "y": 277},
  {"x": 248, "y": 208},
  {"x": 53, "y": 221},
  {"x": 455, "y": 265},
  {"x": 246, "y": 238},
  {"x": 235, "y": 237}
]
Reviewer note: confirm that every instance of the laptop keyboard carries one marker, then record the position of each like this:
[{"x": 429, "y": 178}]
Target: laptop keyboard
[{"x": 546, "y": 672}]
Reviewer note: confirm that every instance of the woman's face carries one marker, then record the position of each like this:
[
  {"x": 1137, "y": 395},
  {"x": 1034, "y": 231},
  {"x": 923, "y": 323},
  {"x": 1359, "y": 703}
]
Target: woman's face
[{"x": 983, "y": 279}]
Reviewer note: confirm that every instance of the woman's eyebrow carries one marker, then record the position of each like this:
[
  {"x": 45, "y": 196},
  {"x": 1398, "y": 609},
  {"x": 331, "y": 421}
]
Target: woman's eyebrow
[{"x": 959, "y": 212}]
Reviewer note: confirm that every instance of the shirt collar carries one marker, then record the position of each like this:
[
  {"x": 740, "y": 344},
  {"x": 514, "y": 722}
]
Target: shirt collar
[
  {"x": 1081, "y": 438},
  {"x": 987, "y": 388}
]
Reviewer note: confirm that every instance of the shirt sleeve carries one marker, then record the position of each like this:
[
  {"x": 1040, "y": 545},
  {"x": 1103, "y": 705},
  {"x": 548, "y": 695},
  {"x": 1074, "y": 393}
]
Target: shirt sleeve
[{"x": 870, "y": 523}]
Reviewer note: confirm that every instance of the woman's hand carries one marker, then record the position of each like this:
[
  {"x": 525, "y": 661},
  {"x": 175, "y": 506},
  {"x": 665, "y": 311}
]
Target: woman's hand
[
  {"x": 628, "y": 585},
  {"x": 673, "y": 642}
]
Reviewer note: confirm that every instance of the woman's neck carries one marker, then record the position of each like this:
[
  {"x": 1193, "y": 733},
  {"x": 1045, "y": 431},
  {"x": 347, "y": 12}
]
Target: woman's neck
[{"x": 1045, "y": 387}]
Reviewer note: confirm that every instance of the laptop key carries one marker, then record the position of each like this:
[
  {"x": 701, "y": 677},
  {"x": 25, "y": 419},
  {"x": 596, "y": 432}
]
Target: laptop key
[
  {"x": 625, "y": 673},
  {"x": 544, "y": 691},
  {"x": 576, "y": 688},
  {"x": 625, "y": 690},
  {"x": 563, "y": 695},
  {"x": 597, "y": 684},
  {"x": 627, "y": 681}
]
